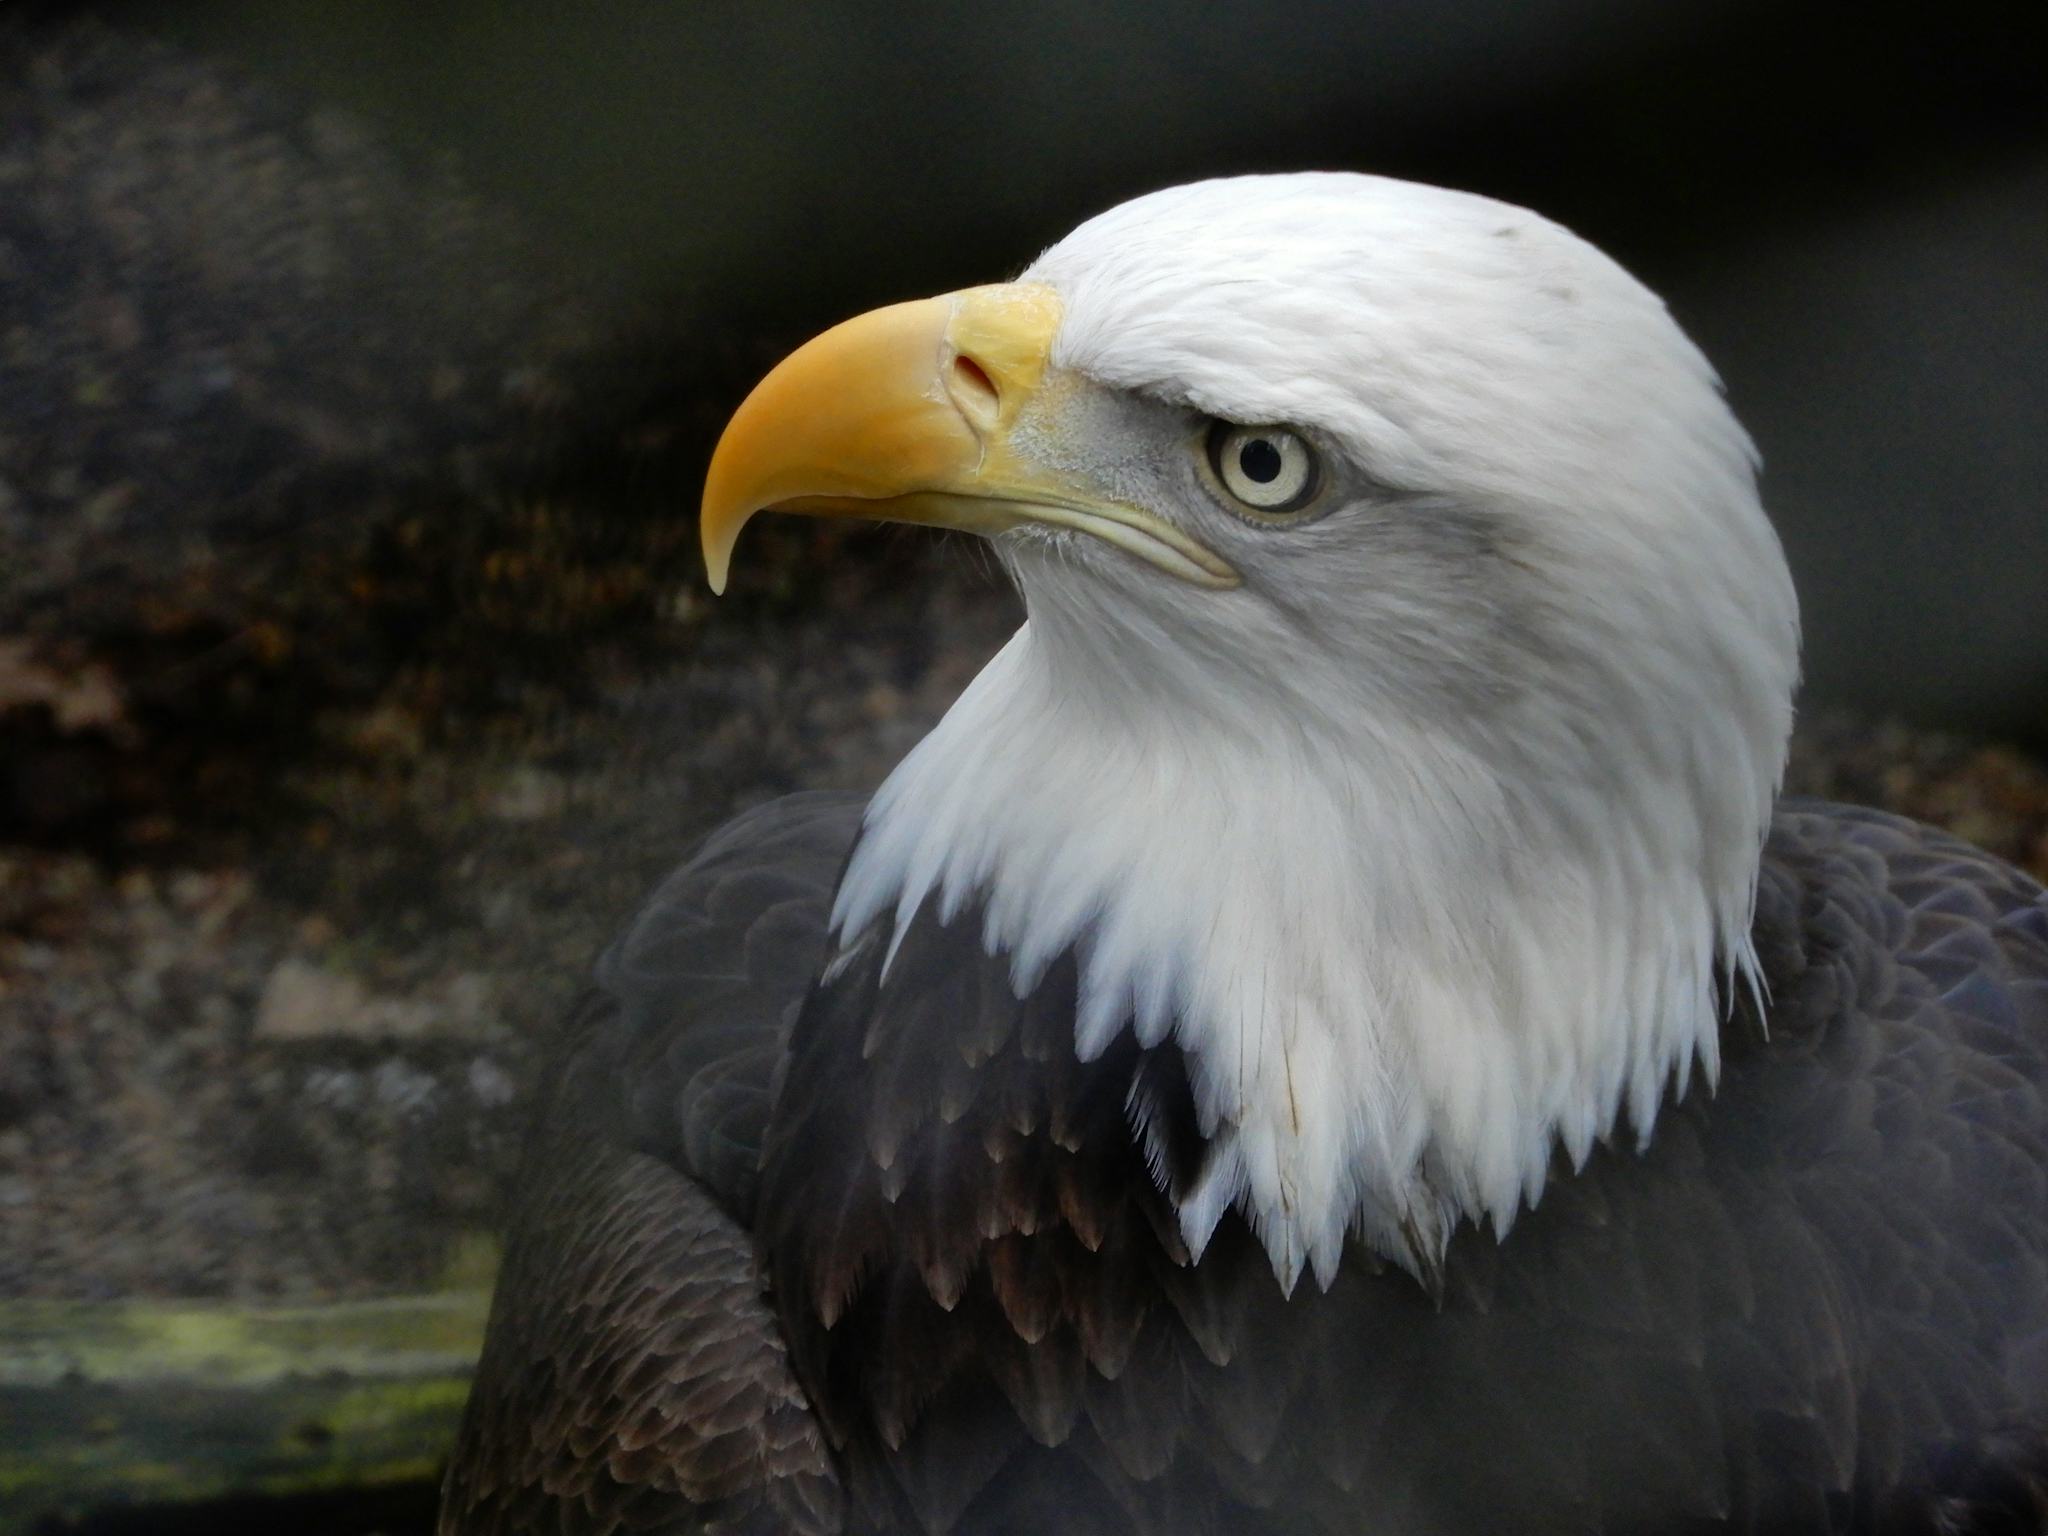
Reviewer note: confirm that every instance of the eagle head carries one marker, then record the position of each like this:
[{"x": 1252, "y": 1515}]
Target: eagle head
[{"x": 1404, "y": 689}]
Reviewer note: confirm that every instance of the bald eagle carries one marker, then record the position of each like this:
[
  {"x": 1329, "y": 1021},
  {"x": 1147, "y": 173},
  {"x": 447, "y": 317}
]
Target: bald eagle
[{"x": 1335, "y": 1031}]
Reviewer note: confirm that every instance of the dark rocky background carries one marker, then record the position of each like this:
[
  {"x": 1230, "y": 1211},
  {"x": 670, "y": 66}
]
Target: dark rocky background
[{"x": 357, "y": 368}]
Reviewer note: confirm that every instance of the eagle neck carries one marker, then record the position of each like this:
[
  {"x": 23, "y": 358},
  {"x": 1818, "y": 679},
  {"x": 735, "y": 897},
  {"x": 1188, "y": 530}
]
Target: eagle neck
[{"x": 1400, "y": 981}]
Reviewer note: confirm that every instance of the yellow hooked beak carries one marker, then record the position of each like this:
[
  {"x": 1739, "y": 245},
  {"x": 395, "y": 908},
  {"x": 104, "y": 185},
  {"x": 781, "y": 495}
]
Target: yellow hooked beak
[{"x": 906, "y": 415}]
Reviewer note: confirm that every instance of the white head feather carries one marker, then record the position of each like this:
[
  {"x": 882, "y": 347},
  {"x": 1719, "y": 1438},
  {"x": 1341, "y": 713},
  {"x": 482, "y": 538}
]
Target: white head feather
[{"x": 1426, "y": 842}]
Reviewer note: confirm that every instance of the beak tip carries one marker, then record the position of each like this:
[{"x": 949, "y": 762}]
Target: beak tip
[{"x": 717, "y": 534}]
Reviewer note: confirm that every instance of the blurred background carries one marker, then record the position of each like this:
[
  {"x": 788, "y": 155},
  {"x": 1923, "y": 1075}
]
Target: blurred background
[{"x": 358, "y": 364}]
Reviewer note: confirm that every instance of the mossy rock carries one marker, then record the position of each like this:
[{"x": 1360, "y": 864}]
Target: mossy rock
[{"x": 158, "y": 1402}]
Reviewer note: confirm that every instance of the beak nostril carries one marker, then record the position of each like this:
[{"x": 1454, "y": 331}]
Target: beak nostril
[{"x": 975, "y": 391}]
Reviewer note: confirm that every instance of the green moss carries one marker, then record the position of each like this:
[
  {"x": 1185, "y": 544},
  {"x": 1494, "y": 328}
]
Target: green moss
[
  {"x": 45, "y": 1342},
  {"x": 169, "y": 1401}
]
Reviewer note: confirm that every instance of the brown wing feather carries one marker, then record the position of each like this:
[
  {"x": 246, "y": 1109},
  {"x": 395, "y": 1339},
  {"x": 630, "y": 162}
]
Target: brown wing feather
[{"x": 633, "y": 1376}]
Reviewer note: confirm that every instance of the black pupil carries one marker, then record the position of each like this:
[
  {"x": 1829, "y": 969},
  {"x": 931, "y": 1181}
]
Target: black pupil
[{"x": 1259, "y": 460}]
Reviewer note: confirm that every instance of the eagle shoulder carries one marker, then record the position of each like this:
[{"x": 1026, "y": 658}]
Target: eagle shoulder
[{"x": 634, "y": 1376}]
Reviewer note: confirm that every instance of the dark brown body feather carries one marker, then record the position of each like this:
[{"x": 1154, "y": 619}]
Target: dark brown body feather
[{"x": 881, "y": 1255}]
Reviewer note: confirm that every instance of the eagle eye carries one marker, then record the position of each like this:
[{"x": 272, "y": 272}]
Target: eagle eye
[{"x": 1267, "y": 470}]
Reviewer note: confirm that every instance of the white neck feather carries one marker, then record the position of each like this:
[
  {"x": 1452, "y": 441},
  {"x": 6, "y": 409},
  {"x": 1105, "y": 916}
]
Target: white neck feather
[{"x": 1401, "y": 974}]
